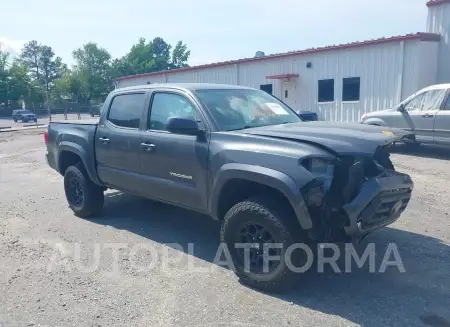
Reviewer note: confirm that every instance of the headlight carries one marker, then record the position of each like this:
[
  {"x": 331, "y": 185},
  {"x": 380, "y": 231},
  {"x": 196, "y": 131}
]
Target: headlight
[{"x": 320, "y": 168}]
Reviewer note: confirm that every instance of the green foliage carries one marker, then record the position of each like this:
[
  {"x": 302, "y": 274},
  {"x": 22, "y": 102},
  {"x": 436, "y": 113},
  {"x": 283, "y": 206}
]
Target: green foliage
[
  {"x": 93, "y": 66},
  {"x": 39, "y": 74},
  {"x": 151, "y": 56}
]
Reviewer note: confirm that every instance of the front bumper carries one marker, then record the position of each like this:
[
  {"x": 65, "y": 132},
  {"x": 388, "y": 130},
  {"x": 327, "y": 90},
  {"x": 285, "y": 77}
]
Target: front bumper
[{"x": 380, "y": 202}]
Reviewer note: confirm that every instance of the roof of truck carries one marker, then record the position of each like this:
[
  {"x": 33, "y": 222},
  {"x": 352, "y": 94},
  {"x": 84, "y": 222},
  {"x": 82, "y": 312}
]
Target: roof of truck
[{"x": 182, "y": 86}]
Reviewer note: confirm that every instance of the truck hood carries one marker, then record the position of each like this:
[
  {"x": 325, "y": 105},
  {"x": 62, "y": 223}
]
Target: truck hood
[{"x": 339, "y": 138}]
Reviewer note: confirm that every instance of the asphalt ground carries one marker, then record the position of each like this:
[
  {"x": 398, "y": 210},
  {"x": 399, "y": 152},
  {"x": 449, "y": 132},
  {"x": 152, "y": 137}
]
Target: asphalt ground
[{"x": 49, "y": 275}]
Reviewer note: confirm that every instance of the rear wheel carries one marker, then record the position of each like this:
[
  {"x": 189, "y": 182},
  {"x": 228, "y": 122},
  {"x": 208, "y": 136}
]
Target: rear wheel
[
  {"x": 84, "y": 197},
  {"x": 270, "y": 229}
]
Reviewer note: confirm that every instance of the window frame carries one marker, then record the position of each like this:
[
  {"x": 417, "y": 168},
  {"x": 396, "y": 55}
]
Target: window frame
[
  {"x": 318, "y": 90},
  {"x": 200, "y": 122},
  {"x": 446, "y": 101},
  {"x": 140, "y": 119},
  {"x": 359, "y": 91}
]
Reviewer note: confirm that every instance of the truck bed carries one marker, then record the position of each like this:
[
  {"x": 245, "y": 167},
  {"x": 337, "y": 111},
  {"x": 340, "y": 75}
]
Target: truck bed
[{"x": 90, "y": 121}]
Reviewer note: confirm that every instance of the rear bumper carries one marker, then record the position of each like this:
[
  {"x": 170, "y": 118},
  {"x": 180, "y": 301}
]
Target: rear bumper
[
  {"x": 379, "y": 203},
  {"x": 50, "y": 160}
]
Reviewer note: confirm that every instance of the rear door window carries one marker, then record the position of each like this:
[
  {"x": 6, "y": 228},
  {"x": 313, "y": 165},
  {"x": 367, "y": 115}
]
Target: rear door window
[{"x": 126, "y": 110}]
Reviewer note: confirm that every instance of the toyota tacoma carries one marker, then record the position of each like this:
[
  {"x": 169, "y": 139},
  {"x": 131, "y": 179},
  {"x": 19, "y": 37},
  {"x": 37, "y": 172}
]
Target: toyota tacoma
[{"x": 240, "y": 156}]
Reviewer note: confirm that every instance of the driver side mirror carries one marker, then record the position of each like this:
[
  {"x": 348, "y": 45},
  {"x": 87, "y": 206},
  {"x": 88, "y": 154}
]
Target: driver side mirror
[
  {"x": 401, "y": 108},
  {"x": 183, "y": 125}
]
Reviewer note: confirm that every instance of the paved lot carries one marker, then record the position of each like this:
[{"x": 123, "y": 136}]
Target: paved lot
[
  {"x": 4, "y": 122},
  {"x": 38, "y": 231}
]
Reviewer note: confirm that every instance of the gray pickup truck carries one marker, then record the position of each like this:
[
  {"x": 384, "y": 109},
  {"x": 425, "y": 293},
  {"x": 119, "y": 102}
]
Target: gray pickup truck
[{"x": 240, "y": 156}]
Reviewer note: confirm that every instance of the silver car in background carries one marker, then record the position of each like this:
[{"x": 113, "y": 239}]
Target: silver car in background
[{"x": 425, "y": 113}]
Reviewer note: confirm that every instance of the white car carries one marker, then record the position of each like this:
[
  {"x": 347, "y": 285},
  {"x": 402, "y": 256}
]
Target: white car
[{"x": 425, "y": 113}]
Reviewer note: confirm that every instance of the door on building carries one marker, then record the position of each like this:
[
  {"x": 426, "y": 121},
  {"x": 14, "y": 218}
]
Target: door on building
[
  {"x": 288, "y": 95},
  {"x": 419, "y": 115}
]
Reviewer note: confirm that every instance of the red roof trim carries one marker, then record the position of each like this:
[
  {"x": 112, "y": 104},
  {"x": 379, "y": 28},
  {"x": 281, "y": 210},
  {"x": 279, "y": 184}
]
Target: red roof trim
[
  {"x": 282, "y": 76},
  {"x": 417, "y": 36},
  {"x": 437, "y": 2}
]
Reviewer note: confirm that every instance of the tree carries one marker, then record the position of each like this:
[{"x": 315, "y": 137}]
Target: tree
[
  {"x": 71, "y": 86},
  {"x": 31, "y": 55},
  {"x": 4, "y": 75},
  {"x": 93, "y": 66},
  {"x": 152, "y": 56},
  {"x": 49, "y": 67},
  {"x": 180, "y": 56}
]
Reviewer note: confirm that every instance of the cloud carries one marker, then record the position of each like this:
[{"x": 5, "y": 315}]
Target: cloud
[{"x": 12, "y": 46}]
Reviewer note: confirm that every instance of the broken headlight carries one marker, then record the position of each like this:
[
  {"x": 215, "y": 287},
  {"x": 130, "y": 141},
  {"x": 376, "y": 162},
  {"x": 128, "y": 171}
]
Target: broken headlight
[{"x": 322, "y": 169}]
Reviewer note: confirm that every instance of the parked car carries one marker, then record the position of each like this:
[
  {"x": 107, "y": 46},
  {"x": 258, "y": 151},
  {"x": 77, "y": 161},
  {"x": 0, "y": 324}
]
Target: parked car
[
  {"x": 95, "y": 110},
  {"x": 268, "y": 176},
  {"x": 425, "y": 113},
  {"x": 307, "y": 115},
  {"x": 23, "y": 115}
]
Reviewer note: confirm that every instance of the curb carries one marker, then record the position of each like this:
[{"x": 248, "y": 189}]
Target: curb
[
  {"x": 22, "y": 129},
  {"x": 30, "y": 125}
]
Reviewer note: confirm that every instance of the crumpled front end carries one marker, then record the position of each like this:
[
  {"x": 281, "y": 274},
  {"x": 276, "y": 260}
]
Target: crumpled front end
[{"x": 364, "y": 194}]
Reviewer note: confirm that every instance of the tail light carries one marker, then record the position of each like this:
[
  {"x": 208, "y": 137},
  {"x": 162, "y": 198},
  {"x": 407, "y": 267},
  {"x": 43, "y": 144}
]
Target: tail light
[
  {"x": 363, "y": 118},
  {"x": 46, "y": 136}
]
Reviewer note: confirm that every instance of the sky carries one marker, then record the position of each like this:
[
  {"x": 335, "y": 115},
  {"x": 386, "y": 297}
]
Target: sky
[{"x": 214, "y": 30}]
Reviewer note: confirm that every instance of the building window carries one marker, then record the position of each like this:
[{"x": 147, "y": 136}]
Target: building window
[
  {"x": 351, "y": 88},
  {"x": 326, "y": 90},
  {"x": 266, "y": 88}
]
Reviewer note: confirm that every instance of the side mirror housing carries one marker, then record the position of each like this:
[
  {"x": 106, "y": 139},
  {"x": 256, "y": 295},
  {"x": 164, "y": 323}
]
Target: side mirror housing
[
  {"x": 401, "y": 108},
  {"x": 182, "y": 125}
]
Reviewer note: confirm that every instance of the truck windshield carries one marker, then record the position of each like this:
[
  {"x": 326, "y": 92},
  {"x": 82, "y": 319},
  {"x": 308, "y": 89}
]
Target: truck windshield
[{"x": 234, "y": 109}]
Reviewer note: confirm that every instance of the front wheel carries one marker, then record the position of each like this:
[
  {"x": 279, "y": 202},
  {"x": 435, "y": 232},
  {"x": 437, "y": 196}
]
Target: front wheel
[
  {"x": 257, "y": 232},
  {"x": 85, "y": 198}
]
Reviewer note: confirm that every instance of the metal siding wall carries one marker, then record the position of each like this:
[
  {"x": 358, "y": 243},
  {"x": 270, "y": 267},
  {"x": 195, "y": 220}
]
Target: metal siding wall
[
  {"x": 439, "y": 22},
  {"x": 217, "y": 75},
  {"x": 379, "y": 67},
  {"x": 411, "y": 71},
  {"x": 141, "y": 81},
  {"x": 428, "y": 64}
]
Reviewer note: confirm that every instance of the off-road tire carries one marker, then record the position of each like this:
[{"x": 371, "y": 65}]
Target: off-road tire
[
  {"x": 93, "y": 197},
  {"x": 281, "y": 222}
]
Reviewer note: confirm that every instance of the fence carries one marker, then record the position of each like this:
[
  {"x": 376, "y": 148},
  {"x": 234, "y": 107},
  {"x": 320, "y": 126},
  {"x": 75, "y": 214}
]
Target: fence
[{"x": 56, "y": 112}]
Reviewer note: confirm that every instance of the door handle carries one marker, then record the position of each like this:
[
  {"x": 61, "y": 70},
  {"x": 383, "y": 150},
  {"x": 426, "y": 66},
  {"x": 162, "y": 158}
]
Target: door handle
[
  {"x": 427, "y": 116},
  {"x": 104, "y": 140},
  {"x": 147, "y": 147}
]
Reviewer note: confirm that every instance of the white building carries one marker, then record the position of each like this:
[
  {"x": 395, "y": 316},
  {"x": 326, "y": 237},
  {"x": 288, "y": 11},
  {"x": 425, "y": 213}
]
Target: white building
[{"x": 339, "y": 82}]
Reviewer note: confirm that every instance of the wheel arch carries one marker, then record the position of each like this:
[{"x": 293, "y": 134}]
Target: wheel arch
[
  {"x": 256, "y": 176},
  {"x": 70, "y": 153}
]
